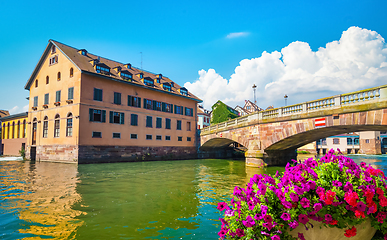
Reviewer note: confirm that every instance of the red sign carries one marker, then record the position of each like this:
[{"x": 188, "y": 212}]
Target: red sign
[{"x": 319, "y": 122}]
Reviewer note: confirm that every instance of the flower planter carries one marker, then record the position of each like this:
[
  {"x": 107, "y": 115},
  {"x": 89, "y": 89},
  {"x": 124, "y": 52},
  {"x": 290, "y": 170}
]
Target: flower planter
[{"x": 320, "y": 232}]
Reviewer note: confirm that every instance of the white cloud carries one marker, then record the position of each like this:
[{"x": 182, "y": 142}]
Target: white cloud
[
  {"x": 14, "y": 110},
  {"x": 237, "y": 34},
  {"x": 357, "y": 61},
  {"x": 25, "y": 108}
]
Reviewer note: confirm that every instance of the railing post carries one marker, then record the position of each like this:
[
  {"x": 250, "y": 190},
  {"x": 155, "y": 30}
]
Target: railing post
[
  {"x": 280, "y": 112},
  {"x": 383, "y": 92},
  {"x": 337, "y": 100},
  {"x": 304, "y": 107}
]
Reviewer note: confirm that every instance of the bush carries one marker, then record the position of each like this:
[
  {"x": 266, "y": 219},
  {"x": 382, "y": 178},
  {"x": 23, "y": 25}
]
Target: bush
[
  {"x": 334, "y": 191},
  {"x": 22, "y": 153}
]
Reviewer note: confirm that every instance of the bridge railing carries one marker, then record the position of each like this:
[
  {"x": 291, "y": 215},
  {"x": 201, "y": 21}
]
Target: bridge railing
[{"x": 358, "y": 97}]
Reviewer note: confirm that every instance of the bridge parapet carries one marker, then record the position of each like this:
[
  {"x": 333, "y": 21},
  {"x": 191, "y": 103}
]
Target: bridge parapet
[{"x": 358, "y": 101}]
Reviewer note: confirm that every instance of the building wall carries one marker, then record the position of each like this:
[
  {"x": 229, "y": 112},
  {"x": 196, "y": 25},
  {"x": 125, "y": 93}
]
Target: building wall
[
  {"x": 13, "y": 135},
  {"x": 51, "y": 110},
  {"x": 107, "y": 129},
  {"x": 11, "y": 147}
]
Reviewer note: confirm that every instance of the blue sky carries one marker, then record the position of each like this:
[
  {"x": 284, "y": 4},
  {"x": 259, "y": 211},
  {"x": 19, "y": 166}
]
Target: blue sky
[{"x": 181, "y": 38}]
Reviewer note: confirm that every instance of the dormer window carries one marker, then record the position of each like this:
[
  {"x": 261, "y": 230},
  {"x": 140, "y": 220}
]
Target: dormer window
[
  {"x": 126, "y": 75},
  {"x": 82, "y": 52},
  {"x": 141, "y": 75},
  {"x": 171, "y": 84},
  {"x": 102, "y": 68},
  {"x": 148, "y": 81},
  {"x": 159, "y": 76},
  {"x": 128, "y": 66},
  {"x": 167, "y": 87},
  {"x": 183, "y": 91},
  {"x": 158, "y": 80}
]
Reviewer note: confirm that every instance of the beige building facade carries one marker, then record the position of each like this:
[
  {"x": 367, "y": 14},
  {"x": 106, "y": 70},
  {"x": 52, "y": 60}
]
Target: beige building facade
[{"x": 84, "y": 108}]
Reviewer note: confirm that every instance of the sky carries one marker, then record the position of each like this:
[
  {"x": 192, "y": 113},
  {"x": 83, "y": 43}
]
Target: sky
[{"x": 216, "y": 49}]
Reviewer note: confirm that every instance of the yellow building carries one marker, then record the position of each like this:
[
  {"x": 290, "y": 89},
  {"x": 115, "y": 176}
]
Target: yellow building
[
  {"x": 13, "y": 134},
  {"x": 85, "y": 108}
]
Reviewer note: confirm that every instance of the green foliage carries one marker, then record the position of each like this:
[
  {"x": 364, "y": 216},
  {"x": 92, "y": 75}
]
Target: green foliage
[
  {"x": 303, "y": 152},
  {"x": 221, "y": 112},
  {"x": 22, "y": 153}
]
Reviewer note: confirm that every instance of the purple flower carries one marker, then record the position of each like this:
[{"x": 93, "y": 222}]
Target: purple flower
[
  {"x": 328, "y": 217},
  {"x": 268, "y": 225},
  {"x": 361, "y": 206},
  {"x": 286, "y": 204},
  {"x": 302, "y": 218},
  {"x": 229, "y": 213},
  {"x": 298, "y": 190},
  {"x": 286, "y": 216},
  {"x": 240, "y": 232},
  {"x": 264, "y": 209},
  {"x": 293, "y": 224},
  {"x": 265, "y": 233},
  {"x": 275, "y": 237},
  {"x": 305, "y": 203},
  {"x": 311, "y": 184},
  {"x": 249, "y": 222},
  {"x": 336, "y": 183},
  {"x": 301, "y": 236},
  {"x": 222, "y": 206},
  {"x": 294, "y": 197},
  {"x": 251, "y": 205},
  {"x": 317, "y": 207}
]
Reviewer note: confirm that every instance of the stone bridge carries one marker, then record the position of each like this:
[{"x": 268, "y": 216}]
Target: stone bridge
[{"x": 272, "y": 136}]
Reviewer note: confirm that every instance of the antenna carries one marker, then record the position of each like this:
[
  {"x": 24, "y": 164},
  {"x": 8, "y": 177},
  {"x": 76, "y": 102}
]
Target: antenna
[
  {"x": 254, "y": 88},
  {"x": 141, "y": 60}
]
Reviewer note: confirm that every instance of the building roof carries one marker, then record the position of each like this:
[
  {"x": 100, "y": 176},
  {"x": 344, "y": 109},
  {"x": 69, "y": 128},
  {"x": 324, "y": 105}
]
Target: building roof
[
  {"x": 4, "y": 113},
  {"x": 202, "y": 111},
  {"x": 256, "y": 108},
  {"x": 241, "y": 109},
  {"x": 17, "y": 115},
  {"x": 85, "y": 63}
]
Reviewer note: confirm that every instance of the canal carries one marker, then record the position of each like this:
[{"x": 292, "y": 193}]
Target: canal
[{"x": 145, "y": 200}]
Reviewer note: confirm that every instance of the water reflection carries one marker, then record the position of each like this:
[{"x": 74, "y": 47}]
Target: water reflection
[{"x": 38, "y": 198}]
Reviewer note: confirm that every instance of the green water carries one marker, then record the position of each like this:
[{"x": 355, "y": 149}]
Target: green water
[{"x": 147, "y": 200}]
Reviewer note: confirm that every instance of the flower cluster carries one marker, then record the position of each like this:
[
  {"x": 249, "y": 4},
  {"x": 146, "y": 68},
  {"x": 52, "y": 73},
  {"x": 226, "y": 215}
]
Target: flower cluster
[{"x": 334, "y": 191}]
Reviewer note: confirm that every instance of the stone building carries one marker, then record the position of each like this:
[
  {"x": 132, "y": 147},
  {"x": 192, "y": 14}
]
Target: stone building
[{"x": 85, "y": 108}]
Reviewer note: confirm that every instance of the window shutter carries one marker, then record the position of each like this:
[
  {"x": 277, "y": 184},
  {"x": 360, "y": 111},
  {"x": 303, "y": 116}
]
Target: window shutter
[
  {"x": 171, "y": 108},
  {"x": 185, "y": 111},
  {"x": 100, "y": 94},
  {"x": 110, "y": 116},
  {"x": 175, "y": 108},
  {"x": 122, "y": 118},
  {"x": 91, "y": 114},
  {"x": 144, "y": 103},
  {"x": 129, "y": 100},
  {"x": 163, "y": 107},
  {"x": 139, "y": 102},
  {"x": 154, "y": 105},
  {"x": 103, "y": 115}
]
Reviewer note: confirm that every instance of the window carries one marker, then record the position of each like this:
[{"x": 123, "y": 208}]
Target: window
[
  {"x": 126, "y": 76},
  {"x": 356, "y": 140},
  {"x": 336, "y": 141},
  {"x": 167, "y": 87},
  {"x": 167, "y": 123},
  {"x": 148, "y": 121},
  {"x": 148, "y": 137},
  {"x": 116, "y": 135},
  {"x": 178, "y": 125},
  {"x": 183, "y": 91},
  {"x": 188, "y": 126},
  {"x": 57, "y": 96},
  {"x": 58, "y": 76},
  {"x": 97, "y": 135},
  {"x": 70, "y": 95},
  {"x": 53, "y": 60},
  {"x": 47, "y": 80},
  {"x": 18, "y": 129},
  {"x": 116, "y": 117},
  {"x": 134, "y": 101},
  {"x": 168, "y": 138},
  {"x": 13, "y": 129},
  {"x": 102, "y": 69},
  {"x": 166, "y": 107},
  {"x": 117, "y": 98},
  {"x": 69, "y": 125},
  {"x": 96, "y": 115},
  {"x": 156, "y": 106},
  {"x": 324, "y": 141},
  {"x": 349, "y": 141},
  {"x": 158, "y": 80},
  {"x": 133, "y": 136},
  {"x": 148, "y": 104},
  {"x": 71, "y": 72},
  {"x": 188, "y": 139},
  {"x": 179, "y": 110},
  {"x": 24, "y": 128},
  {"x": 45, "y": 127},
  {"x": 158, "y": 122},
  {"x": 56, "y": 125},
  {"x": 36, "y": 101},
  {"x": 189, "y": 111},
  {"x": 53, "y": 49},
  {"x": 179, "y": 139},
  {"x": 134, "y": 119},
  {"x": 148, "y": 81},
  {"x": 97, "y": 94},
  {"x": 36, "y": 83},
  {"x": 367, "y": 141},
  {"x": 46, "y": 98},
  {"x": 159, "y": 137}
]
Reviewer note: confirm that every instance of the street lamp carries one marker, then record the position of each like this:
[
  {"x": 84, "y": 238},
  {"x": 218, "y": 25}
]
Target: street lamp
[
  {"x": 254, "y": 88},
  {"x": 286, "y": 99}
]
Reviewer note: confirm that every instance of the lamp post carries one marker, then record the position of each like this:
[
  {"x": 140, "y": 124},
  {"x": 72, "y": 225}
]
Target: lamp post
[
  {"x": 286, "y": 99},
  {"x": 254, "y": 88}
]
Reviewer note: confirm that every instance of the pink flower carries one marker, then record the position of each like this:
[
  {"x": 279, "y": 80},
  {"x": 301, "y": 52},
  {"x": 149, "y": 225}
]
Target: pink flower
[
  {"x": 240, "y": 232},
  {"x": 286, "y": 216},
  {"x": 268, "y": 218},
  {"x": 302, "y": 218},
  {"x": 317, "y": 207},
  {"x": 305, "y": 203},
  {"x": 275, "y": 237},
  {"x": 222, "y": 206}
]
